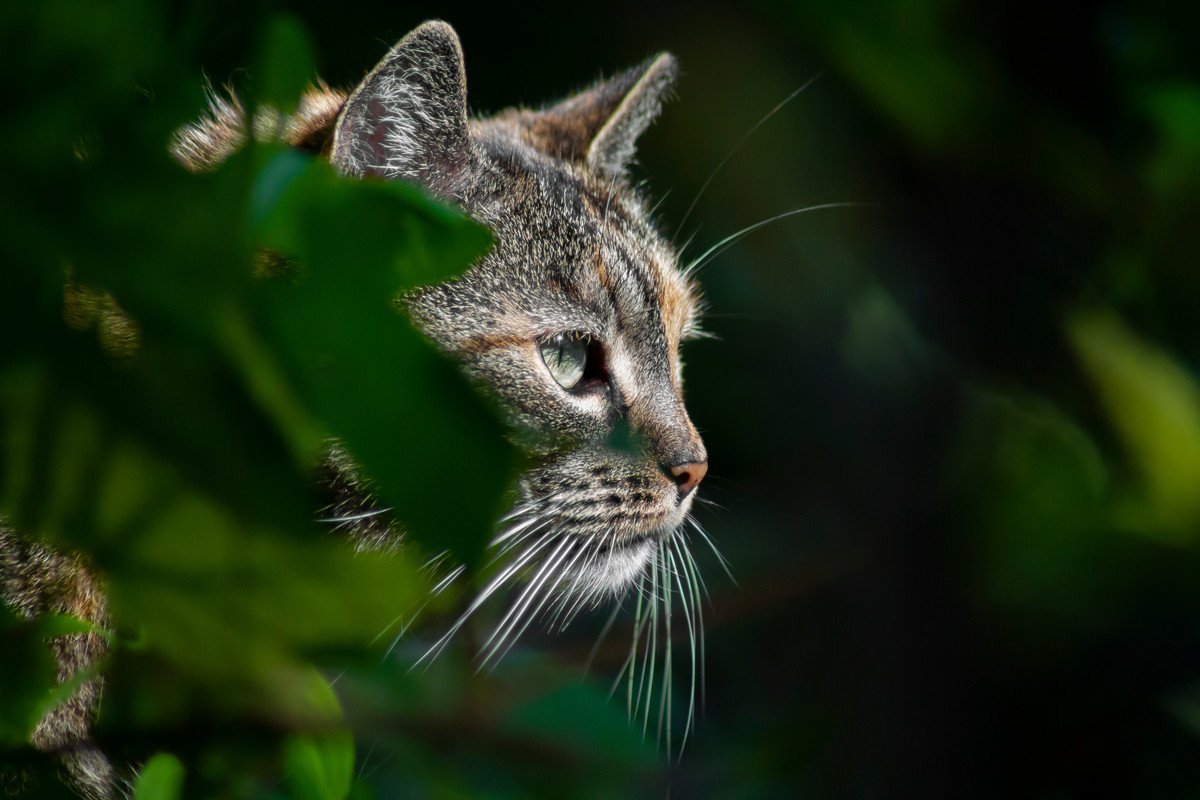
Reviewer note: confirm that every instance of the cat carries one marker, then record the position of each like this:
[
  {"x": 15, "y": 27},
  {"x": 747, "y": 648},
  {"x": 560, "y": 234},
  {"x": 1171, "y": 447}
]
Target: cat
[{"x": 573, "y": 322}]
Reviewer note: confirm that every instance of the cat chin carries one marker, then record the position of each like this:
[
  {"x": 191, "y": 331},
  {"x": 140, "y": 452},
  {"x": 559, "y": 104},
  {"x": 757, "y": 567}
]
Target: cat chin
[
  {"x": 618, "y": 570},
  {"x": 626, "y": 563}
]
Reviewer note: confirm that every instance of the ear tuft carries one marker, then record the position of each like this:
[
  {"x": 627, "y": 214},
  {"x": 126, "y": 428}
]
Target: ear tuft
[{"x": 408, "y": 117}]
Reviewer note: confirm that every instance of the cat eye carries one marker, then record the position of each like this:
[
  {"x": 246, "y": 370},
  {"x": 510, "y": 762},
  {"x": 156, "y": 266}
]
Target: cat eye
[{"x": 566, "y": 356}]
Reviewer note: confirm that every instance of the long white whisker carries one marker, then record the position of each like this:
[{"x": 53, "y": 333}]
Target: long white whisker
[
  {"x": 734, "y": 238},
  {"x": 697, "y": 582},
  {"x": 687, "y": 615},
  {"x": 403, "y": 630},
  {"x": 446, "y": 581},
  {"x": 566, "y": 592},
  {"x": 527, "y": 595},
  {"x": 540, "y": 526},
  {"x": 513, "y": 530},
  {"x": 651, "y": 661},
  {"x": 712, "y": 546},
  {"x": 631, "y": 660},
  {"x": 664, "y": 703},
  {"x": 616, "y": 612},
  {"x": 546, "y": 594},
  {"x": 583, "y": 594},
  {"x": 505, "y": 574},
  {"x": 355, "y": 517},
  {"x": 741, "y": 142}
]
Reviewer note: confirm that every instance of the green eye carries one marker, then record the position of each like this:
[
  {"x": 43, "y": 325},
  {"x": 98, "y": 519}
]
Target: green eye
[{"x": 565, "y": 355}]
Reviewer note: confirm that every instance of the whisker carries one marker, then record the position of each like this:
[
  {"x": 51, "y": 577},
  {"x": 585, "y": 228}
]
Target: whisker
[
  {"x": 564, "y": 574},
  {"x": 697, "y": 582},
  {"x": 403, "y": 630},
  {"x": 618, "y": 607},
  {"x": 631, "y": 660},
  {"x": 665, "y": 700},
  {"x": 546, "y": 593},
  {"x": 505, "y": 574},
  {"x": 651, "y": 661},
  {"x": 687, "y": 615},
  {"x": 354, "y": 517},
  {"x": 578, "y": 594},
  {"x": 446, "y": 581},
  {"x": 713, "y": 547},
  {"x": 526, "y": 520},
  {"x": 500, "y": 633},
  {"x": 529, "y": 533},
  {"x": 712, "y": 503},
  {"x": 737, "y": 146},
  {"x": 733, "y": 238}
]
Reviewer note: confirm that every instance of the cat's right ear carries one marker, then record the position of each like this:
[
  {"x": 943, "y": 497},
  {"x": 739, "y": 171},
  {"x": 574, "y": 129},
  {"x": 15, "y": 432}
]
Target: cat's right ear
[
  {"x": 408, "y": 117},
  {"x": 599, "y": 127}
]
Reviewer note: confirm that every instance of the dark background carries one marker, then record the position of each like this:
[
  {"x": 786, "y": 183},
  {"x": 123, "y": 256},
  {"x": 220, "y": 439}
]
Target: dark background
[{"x": 953, "y": 429}]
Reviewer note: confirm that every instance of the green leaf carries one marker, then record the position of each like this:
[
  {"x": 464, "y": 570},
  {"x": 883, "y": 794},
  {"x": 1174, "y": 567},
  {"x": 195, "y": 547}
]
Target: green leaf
[
  {"x": 160, "y": 779},
  {"x": 320, "y": 766},
  {"x": 285, "y": 64},
  {"x": 1174, "y": 109},
  {"x": 1154, "y": 405},
  {"x": 1032, "y": 485},
  {"x": 402, "y": 410},
  {"x": 27, "y": 674},
  {"x": 608, "y": 736}
]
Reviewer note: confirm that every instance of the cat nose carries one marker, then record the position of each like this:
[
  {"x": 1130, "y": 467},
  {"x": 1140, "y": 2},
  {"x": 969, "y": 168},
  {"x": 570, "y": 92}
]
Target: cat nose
[{"x": 688, "y": 476}]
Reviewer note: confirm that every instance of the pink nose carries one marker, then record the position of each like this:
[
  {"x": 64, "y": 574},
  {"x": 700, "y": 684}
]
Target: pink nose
[{"x": 688, "y": 476}]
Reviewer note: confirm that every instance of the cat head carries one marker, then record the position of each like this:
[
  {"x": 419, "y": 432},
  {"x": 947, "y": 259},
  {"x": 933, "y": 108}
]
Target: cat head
[{"x": 573, "y": 321}]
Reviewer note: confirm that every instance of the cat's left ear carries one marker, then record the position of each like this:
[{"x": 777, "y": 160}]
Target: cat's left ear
[{"x": 600, "y": 126}]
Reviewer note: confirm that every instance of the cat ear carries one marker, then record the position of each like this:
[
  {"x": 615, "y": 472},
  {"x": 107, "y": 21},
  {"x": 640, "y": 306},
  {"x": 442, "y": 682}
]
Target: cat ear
[
  {"x": 600, "y": 126},
  {"x": 408, "y": 117}
]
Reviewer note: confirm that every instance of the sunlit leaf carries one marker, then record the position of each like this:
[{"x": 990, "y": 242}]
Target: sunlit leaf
[
  {"x": 320, "y": 765},
  {"x": 160, "y": 779},
  {"x": 1154, "y": 405}
]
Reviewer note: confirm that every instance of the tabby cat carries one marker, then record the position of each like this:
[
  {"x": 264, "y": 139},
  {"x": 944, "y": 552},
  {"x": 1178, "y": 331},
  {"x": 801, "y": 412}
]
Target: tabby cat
[{"x": 573, "y": 321}]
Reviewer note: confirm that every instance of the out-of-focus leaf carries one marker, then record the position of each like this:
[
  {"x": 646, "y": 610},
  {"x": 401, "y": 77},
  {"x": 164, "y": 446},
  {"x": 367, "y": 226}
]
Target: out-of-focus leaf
[
  {"x": 1032, "y": 484},
  {"x": 224, "y": 600},
  {"x": 27, "y": 674},
  {"x": 320, "y": 765},
  {"x": 1154, "y": 405},
  {"x": 359, "y": 244},
  {"x": 285, "y": 63},
  {"x": 903, "y": 76},
  {"x": 1184, "y": 705},
  {"x": 882, "y": 345},
  {"x": 1175, "y": 111},
  {"x": 160, "y": 779},
  {"x": 608, "y": 737}
]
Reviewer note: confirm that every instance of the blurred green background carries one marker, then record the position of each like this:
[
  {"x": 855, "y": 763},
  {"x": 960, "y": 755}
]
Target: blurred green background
[{"x": 954, "y": 429}]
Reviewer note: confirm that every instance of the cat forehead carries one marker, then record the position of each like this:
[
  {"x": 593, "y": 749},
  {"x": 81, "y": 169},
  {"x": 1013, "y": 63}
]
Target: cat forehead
[{"x": 570, "y": 236}]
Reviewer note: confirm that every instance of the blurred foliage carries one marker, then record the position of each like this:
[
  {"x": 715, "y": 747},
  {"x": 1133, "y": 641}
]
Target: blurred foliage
[
  {"x": 955, "y": 433},
  {"x": 177, "y": 452}
]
